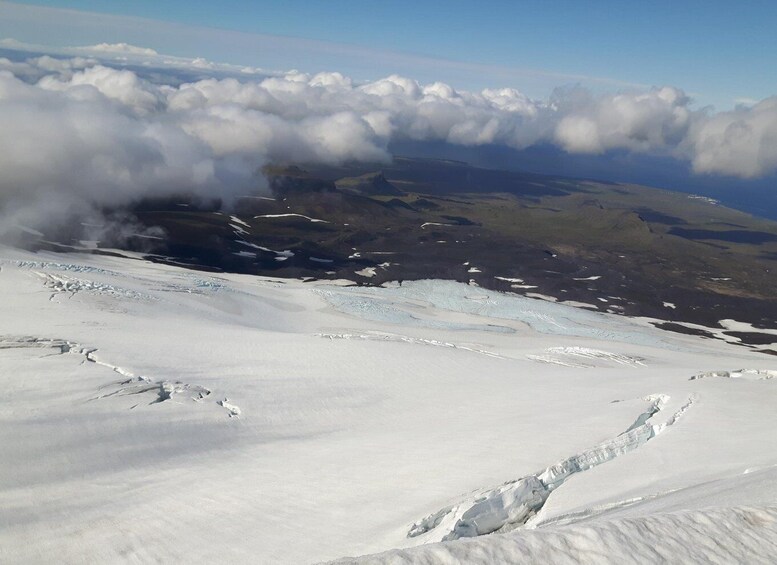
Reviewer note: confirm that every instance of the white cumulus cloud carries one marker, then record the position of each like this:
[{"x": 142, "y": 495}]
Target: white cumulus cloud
[
  {"x": 118, "y": 49},
  {"x": 742, "y": 142},
  {"x": 77, "y": 133}
]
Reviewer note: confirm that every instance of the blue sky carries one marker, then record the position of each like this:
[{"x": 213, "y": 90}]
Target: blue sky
[{"x": 716, "y": 51}]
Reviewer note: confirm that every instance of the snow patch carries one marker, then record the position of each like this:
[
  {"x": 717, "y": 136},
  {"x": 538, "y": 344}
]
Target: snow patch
[
  {"x": 368, "y": 272},
  {"x": 541, "y": 296},
  {"x": 239, "y": 221},
  {"x": 314, "y": 220},
  {"x": 706, "y": 199},
  {"x": 577, "y": 304},
  {"x": 281, "y": 255},
  {"x": 735, "y": 326}
]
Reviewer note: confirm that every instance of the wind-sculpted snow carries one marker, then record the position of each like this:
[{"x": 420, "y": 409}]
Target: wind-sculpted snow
[
  {"x": 717, "y": 536},
  {"x": 381, "y": 336},
  {"x": 545, "y": 317},
  {"x": 510, "y": 505}
]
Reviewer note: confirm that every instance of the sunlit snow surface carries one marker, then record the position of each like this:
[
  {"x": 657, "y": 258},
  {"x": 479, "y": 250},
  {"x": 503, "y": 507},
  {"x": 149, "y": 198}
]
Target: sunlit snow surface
[{"x": 153, "y": 413}]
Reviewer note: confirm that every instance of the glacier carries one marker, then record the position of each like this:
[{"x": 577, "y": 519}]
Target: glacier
[{"x": 154, "y": 413}]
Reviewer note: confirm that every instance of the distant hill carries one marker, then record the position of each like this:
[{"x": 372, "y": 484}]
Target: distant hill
[{"x": 610, "y": 247}]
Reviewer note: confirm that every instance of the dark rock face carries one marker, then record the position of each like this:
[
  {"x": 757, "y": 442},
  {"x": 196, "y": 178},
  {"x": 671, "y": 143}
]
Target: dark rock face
[{"x": 371, "y": 184}]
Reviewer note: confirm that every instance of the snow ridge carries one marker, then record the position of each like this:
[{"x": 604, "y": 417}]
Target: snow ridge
[{"x": 728, "y": 535}]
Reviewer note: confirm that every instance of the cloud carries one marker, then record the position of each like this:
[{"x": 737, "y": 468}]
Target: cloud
[
  {"x": 46, "y": 24},
  {"x": 646, "y": 122},
  {"x": 70, "y": 151},
  {"x": 123, "y": 86},
  {"x": 117, "y": 54},
  {"x": 742, "y": 142},
  {"x": 79, "y": 135},
  {"x": 119, "y": 49}
]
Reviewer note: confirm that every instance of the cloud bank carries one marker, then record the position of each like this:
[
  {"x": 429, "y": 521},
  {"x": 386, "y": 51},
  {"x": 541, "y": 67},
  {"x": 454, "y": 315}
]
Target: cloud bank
[{"x": 78, "y": 135}]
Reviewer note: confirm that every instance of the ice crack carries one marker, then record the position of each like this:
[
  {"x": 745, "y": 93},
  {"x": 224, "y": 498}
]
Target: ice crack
[
  {"x": 747, "y": 374},
  {"x": 164, "y": 390},
  {"x": 161, "y": 390},
  {"x": 512, "y": 504},
  {"x": 62, "y": 284},
  {"x": 234, "y": 411},
  {"x": 380, "y": 336},
  {"x": 567, "y": 356}
]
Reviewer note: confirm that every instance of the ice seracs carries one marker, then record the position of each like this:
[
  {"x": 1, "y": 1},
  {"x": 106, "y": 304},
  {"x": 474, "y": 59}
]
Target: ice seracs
[
  {"x": 568, "y": 356},
  {"x": 512, "y": 504},
  {"x": 746, "y": 374}
]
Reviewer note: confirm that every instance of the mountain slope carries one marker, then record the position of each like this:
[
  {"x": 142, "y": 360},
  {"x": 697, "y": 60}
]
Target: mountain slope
[{"x": 684, "y": 261}]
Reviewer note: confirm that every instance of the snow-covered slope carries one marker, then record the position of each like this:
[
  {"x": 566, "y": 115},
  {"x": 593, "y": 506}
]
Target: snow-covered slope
[
  {"x": 153, "y": 413},
  {"x": 718, "y": 535}
]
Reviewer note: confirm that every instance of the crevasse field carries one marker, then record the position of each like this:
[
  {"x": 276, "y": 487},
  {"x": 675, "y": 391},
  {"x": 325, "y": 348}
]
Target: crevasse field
[{"x": 157, "y": 414}]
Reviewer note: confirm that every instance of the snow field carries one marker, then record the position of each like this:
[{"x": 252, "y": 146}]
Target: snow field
[{"x": 156, "y": 413}]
